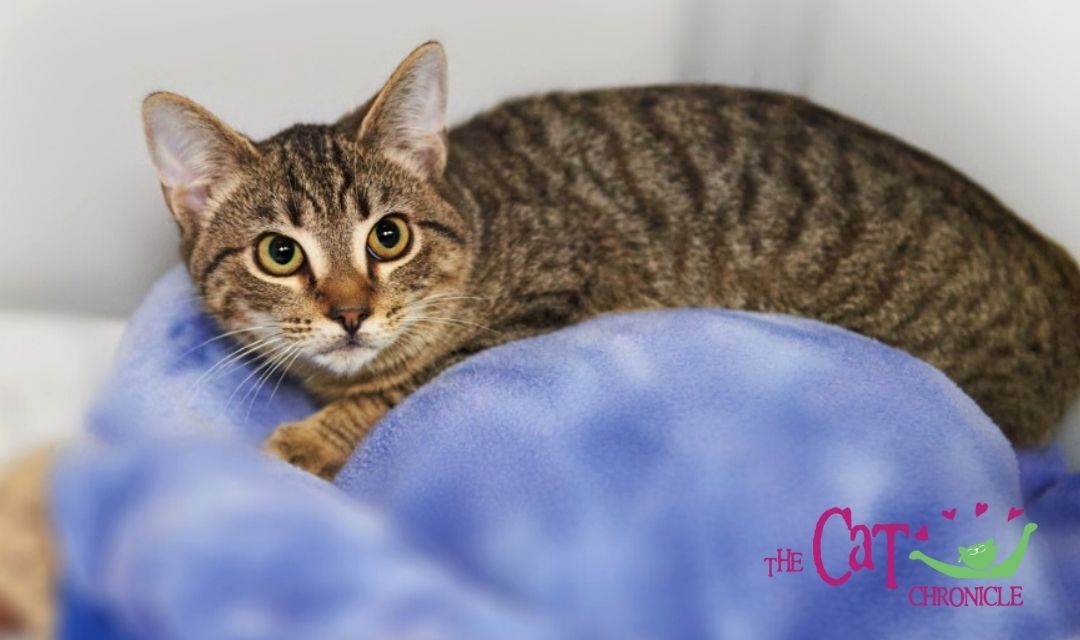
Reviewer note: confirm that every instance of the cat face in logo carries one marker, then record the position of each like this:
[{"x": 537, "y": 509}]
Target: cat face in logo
[
  {"x": 332, "y": 245},
  {"x": 979, "y": 556}
]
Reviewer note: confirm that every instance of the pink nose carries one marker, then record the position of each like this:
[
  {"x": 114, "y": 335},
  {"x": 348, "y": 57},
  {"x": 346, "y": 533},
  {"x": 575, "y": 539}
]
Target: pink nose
[{"x": 350, "y": 317}]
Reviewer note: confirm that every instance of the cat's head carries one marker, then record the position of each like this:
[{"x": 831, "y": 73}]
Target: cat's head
[
  {"x": 333, "y": 244},
  {"x": 979, "y": 556}
]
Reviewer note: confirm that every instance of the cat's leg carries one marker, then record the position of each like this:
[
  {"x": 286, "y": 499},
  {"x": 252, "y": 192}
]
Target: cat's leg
[
  {"x": 951, "y": 570},
  {"x": 322, "y": 443},
  {"x": 27, "y": 551},
  {"x": 1007, "y": 568}
]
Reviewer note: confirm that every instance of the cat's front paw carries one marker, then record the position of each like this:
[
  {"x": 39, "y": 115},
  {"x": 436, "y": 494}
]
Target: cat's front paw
[{"x": 304, "y": 445}]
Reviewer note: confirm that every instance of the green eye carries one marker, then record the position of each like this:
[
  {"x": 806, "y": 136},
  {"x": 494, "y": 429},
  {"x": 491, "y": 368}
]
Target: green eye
[
  {"x": 389, "y": 238},
  {"x": 279, "y": 255}
]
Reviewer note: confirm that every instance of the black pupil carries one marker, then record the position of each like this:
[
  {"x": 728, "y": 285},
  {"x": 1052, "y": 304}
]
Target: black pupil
[
  {"x": 387, "y": 233},
  {"x": 282, "y": 250}
]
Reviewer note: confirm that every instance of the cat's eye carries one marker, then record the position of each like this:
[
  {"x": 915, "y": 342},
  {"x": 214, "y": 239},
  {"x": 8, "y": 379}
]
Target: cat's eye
[
  {"x": 279, "y": 255},
  {"x": 389, "y": 238}
]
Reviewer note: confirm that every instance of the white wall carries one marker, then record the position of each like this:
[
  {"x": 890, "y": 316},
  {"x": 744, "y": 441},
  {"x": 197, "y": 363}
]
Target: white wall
[
  {"x": 758, "y": 43},
  {"x": 84, "y": 225},
  {"x": 992, "y": 86}
]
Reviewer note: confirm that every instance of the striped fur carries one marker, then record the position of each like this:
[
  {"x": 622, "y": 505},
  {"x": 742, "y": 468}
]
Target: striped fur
[{"x": 556, "y": 208}]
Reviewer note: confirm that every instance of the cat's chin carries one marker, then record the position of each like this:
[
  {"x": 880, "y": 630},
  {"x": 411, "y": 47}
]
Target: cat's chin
[{"x": 346, "y": 360}]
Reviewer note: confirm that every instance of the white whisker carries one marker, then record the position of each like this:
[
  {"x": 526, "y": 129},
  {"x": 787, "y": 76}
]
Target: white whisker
[
  {"x": 222, "y": 366},
  {"x": 220, "y": 337},
  {"x": 269, "y": 359},
  {"x": 437, "y": 319},
  {"x": 254, "y": 392},
  {"x": 296, "y": 354}
]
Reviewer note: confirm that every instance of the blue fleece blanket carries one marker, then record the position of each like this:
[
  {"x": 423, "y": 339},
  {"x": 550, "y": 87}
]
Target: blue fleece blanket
[{"x": 681, "y": 474}]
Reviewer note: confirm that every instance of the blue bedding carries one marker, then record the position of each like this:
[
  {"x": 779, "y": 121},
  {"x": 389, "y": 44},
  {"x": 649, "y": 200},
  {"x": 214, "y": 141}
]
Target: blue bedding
[{"x": 636, "y": 476}]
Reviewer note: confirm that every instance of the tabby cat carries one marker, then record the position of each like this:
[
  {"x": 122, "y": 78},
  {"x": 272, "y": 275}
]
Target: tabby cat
[{"x": 369, "y": 255}]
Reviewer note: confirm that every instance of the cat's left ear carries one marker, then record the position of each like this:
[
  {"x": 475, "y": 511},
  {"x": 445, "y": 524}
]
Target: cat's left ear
[{"x": 407, "y": 119}]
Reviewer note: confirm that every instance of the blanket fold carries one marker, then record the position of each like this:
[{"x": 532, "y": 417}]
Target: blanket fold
[{"x": 630, "y": 477}]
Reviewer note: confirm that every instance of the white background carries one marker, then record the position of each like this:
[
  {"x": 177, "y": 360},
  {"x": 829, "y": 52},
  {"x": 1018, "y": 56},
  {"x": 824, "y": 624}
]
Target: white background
[{"x": 991, "y": 86}]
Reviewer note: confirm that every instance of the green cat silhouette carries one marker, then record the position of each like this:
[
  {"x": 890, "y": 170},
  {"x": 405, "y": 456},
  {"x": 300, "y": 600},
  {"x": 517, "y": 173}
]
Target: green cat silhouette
[{"x": 979, "y": 558}]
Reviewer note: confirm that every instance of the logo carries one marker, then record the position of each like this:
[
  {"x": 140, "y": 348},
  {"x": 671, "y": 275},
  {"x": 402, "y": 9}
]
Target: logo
[{"x": 978, "y": 561}]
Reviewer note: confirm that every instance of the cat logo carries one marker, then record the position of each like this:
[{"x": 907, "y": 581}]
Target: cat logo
[{"x": 977, "y": 561}]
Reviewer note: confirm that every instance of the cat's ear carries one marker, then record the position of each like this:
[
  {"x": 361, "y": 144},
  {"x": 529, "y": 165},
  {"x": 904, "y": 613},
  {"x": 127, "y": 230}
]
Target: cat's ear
[
  {"x": 196, "y": 155},
  {"x": 407, "y": 119}
]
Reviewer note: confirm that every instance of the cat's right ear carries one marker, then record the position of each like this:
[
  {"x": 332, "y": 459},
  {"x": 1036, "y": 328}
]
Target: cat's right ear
[{"x": 196, "y": 155}]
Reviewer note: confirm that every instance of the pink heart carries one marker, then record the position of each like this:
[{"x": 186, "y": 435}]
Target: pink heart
[
  {"x": 980, "y": 508},
  {"x": 922, "y": 534},
  {"x": 950, "y": 514},
  {"x": 1014, "y": 513}
]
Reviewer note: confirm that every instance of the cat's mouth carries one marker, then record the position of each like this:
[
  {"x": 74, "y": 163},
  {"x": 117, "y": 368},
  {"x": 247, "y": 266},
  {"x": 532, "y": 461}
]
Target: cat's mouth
[
  {"x": 345, "y": 356},
  {"x": 351, "y": 344}
]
